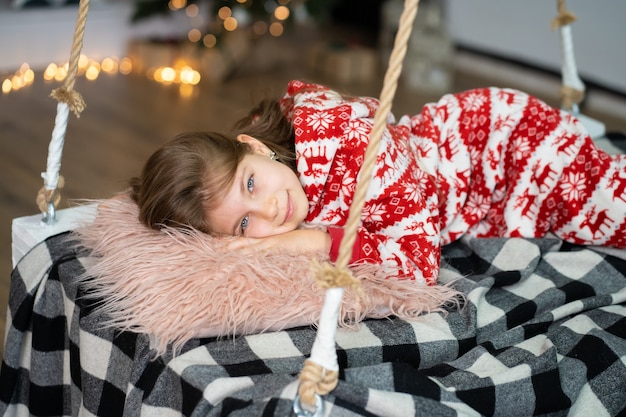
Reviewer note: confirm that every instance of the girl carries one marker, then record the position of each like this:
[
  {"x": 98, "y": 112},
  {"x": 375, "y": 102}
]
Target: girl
[{"x": 487, "y": 163}]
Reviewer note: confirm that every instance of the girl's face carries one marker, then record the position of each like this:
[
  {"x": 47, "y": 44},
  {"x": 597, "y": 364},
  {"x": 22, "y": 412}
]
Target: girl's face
[{"x": 265, "y": 198}]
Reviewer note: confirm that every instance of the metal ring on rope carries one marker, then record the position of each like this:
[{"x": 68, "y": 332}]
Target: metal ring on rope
[
  {"x": 50, "y": 215},
  {"x": 302, "y": 411},
  {"x": 323, "y": 353}
]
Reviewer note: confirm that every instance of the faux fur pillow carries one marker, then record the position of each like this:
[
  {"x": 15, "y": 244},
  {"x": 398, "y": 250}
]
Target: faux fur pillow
[{"x": 175, "y": 284}]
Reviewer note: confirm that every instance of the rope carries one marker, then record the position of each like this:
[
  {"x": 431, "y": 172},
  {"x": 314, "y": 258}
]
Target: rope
[
  {"x": 66, "y": 93},
  {"x": 573, "y": 90},
  {"x": 390, "y": 85},
  {"x": 68, "y": 99},
  {"x": 320, "y": 373}
]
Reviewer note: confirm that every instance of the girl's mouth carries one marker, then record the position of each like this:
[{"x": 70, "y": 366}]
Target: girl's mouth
[{"x": 289, "y": 208}]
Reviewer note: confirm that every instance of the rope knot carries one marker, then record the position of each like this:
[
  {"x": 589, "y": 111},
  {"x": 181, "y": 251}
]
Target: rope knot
[
  {"x": 328, "y": 276},
  {"x": 46, "y": 196},
  {"x": 564, "y": 18},
  {"x": 70, "y": 97},
  {"x": 314, "y": 379},
  {"x": 571, "y": 96}
]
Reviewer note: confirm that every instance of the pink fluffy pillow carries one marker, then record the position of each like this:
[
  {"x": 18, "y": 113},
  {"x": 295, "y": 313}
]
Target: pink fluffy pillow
[{"x": 175, "y": 284}]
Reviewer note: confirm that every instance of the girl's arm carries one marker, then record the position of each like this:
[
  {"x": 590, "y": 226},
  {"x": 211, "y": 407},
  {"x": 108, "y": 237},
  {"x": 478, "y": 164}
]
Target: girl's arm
[{"x": 300, "y": 240}]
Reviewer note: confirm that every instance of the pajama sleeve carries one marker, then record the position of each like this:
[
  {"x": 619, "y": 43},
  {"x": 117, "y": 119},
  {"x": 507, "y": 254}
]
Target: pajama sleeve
[
  {"x": 336, "y": 237},
  {"x": 398, "y": 228}
]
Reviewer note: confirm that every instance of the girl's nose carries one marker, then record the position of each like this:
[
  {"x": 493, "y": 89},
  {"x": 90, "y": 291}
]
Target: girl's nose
[{"x": 268, "y": 208}]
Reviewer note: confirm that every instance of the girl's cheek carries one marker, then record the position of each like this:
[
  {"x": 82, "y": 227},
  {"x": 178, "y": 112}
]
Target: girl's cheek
[
  {"x": 258, "y": 231},
  {"x": 272, "y": 231}
]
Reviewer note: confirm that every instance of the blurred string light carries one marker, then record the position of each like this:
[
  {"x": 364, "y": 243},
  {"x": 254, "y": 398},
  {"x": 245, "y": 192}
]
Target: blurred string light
[
  {"x": 281, "y": 13},
  {"x": 230, "y": 24},
  {"x": 181, "y": 73},
  {"x": 239, "y": 14},
  {"x": 194, "y": 35},
  {"x": 177, "y": 4},
  {"x": 192, "y": 10},
  {"x": 88, "y": 68},
  {"x": 21, "y": 78},
  {"x": 209, "y": 40}
]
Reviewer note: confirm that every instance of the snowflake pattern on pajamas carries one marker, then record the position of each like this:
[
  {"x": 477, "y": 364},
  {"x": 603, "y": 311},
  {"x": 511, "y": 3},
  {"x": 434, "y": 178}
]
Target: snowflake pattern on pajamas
[{"x": 487, "y": 162}]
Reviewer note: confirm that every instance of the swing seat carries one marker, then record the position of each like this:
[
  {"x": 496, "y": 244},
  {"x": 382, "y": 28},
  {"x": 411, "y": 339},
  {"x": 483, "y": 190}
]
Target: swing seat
[{"x": 28, "y": 231}]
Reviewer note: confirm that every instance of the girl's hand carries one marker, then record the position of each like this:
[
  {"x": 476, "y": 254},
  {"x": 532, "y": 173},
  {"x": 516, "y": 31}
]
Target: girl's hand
[{"x": 300, "y": 240}]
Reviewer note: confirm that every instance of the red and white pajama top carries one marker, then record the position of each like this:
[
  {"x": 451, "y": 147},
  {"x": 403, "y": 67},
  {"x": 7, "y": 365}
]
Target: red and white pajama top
[{"x": 487, "y": 162}]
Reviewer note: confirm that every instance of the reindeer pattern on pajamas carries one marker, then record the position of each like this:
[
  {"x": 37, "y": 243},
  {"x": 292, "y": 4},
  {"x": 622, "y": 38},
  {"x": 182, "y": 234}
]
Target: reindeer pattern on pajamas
[{"x": 488, "y": 162}]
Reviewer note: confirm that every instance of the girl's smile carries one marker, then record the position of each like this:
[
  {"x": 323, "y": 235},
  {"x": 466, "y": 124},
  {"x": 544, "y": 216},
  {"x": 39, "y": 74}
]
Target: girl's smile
[{"x": 289, "y": 208}]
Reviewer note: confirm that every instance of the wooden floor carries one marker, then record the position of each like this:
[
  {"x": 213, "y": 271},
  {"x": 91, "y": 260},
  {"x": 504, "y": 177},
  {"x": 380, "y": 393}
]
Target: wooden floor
[{"x": 125, "y": 119}]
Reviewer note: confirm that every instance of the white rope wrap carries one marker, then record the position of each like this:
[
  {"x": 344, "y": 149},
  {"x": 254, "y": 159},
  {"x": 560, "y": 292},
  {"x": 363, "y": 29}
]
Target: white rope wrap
[
  {"x": 323, "y": 351},
  {"x": 55, "y": 148},
  {"x": 568, "y": 68}
]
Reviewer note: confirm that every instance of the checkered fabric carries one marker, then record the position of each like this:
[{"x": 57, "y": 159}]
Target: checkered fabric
[{"x": 543, "y": 332}]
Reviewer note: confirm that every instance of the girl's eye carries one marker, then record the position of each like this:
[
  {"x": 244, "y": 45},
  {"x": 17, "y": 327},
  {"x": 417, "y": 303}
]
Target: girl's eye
[
  {"x": 246, "y": 220},
  {"x": 244, "y": 224}
]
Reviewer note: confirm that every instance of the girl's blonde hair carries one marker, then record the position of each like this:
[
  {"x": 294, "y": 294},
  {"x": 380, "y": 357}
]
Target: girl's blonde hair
[{"x": 187, "y": 177}]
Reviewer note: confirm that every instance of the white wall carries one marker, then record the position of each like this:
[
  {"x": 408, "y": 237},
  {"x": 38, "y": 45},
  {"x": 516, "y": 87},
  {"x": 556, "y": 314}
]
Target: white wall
[
  {"x": 520, "y": 29},
  {"x": 40, "y": 36}
]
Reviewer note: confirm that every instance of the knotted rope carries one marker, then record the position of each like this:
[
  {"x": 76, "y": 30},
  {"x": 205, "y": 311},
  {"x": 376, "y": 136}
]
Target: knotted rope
[
  {"x": 320, "y": 373},
  {"x": 66, "y": 93},
  {"x": 68, "y": 99},
  {"x": 564, "y": 17},
  {"x": 572, "y": 89}
]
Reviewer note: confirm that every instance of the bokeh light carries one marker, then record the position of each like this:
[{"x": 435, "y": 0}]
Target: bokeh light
[
  {"x": 192, "y": 10},
  {"x": 281, "y": 13},
  {"x": 177, "y": 4},
  {"x": 194, "y": 35},
  {"x": 276, "y": 29},
  {"x": 230, "y": 24},
  {"x": 209, "y": 40},
  {"x": 224, "y": 12}
]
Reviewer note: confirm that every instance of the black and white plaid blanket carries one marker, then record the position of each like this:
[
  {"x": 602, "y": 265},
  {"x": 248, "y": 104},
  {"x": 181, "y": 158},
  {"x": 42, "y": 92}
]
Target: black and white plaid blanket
[{"x": 543, "y": 333}]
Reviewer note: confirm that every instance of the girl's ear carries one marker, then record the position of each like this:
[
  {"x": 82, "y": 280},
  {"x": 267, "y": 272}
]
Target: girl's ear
[{"x": 256, "y": 145}]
